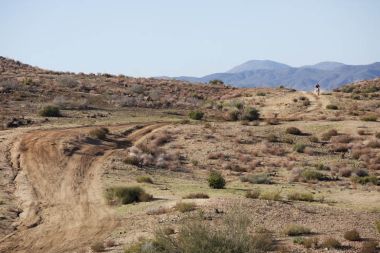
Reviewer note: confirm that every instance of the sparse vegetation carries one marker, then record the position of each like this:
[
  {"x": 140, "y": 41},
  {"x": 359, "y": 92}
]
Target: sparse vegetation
[
  {"x": 144, "y": 179},
  {"x": 311, "y": 174},
  {"x": 331, "y": 243},
  {"x": 99, "y": 133},
  {"x": 257, "y": 179},
  {"x": 197, "y": 196},
  {"x": 301, "y": 196},
  {"x": 50, "y": 111},
  {"x": 196, "y": 115},
  {"x": 296, "y": 230},
  {"x": 127, "y": 195},
  {"x": 299, "y": 147},
  {"x": 184, "y": 207},
  {"x": 271, "y": 195},
  {"x": 253, "y": 194},
  {"x": 352, "y": 235},
  {"x": 293, "y": 130},
  {"x": 216, "y": 180}
]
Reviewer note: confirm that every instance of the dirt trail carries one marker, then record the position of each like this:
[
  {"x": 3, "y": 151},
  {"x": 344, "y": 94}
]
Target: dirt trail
[{"x": 60, "y": 192}]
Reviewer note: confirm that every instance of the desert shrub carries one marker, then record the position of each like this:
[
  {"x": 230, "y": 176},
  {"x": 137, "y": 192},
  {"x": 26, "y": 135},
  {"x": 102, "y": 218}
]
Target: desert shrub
[
  {"x": 341, "y": 139},
  {"x": 231, "y": 236},
  {"x": 327, "y": 135},
  {"x": 340, "y": 148},
  {"x": 296, "y": 230},
  {"x": 196, "y": 115},
  {"x": 216, "y": 180},
  {"x": 271, "y": 195},
  {"x": 332, "y": 107},
  {"x": 307, "y": 242},
  {"x": 293, "y": 130},
  {"x": 345, "y": 172},
  {"x": 313, "y": 139},
  {"x": 311, "y": 174},
  {"x": 301, "y": 196},
  {"x": 251, "y": 114},
  {"x": 99, "y": 133},
  {"x": 184, "y": 207},
  {"x": 272, "y": 138},
  {"x": 233, "y": 115},
  {"x": 369, "y": 247},
  {"x": 331, "y": 243},
  {"x": 257, "y": 179},
  {"x": 306, "y": 102},
  {"x": 361, "y": 173},
  {"x": 365, "y": 180},
  {"x": 272, "y": 121},
  {"x": 299, "y": 147},
  {"x": 216, "y": 82},
  {"x": 362, "y": 132},
  {"x": 144, "y": 179},
  {"x": 321, "y": 166},
  {"x": 168, "y": 231},
  {"x": 352, "y": 235},
  {"x": 377, "y": 224},
  {"x": 50, "y": 111},
  {"x": 110, "y": 243},
  {"x": 133, "y": 160},
  {"x": 261, "y": 94},
  {"x": 197, "y": 196},
  {"x": 369, "y": 118},
  {"x": 373, "y": 144},
  {"x": 97, "y": 247},
  {"x": 377, "y": 135},
  {"x": 127, "y": 195},
  {"x": 253, "y": 194}
]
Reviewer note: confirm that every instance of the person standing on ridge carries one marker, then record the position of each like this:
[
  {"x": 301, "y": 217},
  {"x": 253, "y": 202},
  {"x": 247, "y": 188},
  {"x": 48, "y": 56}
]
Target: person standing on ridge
[{"x": 317, "y": 88}]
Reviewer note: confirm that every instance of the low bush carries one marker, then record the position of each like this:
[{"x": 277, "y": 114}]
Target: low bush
[
  {"x": 301, "y": 196},
  {"x": 157, "y": 210},
  {"x": 345, "y": 172},
  {"x": 127, "y": 195},
  {"x": 251, "y": 114},
  {"x": 216, "y": 180},
  {"x": 299, "y": 147},
  {"x": 373, "y": 144},
  {"x": 50, "y": 111},
  {"x": 327, "y": 135},
  {"x": 184, "y": 207},
  {"x": 253, "y": 194},
  {"x": 257, "y": 179},
  {"x": 271, "y": 195},
  {"x": 98, "y": 247},
  {"x": 272, "y": 138},
  {"x": 352, "y": 235},
  {"x": 313, "y": 139},
  {"x": 99, "y": 133},
  {"x": 144, "y": 179},
  {"x": 377, "y": 224},
  {"x": 311, "y": 174},
  {"x": 296, "y": 230},
  {"x": 331, "y": 243},
  {"x": 369, "y": 118},
  {"x": 332, "y": 107},
  {"x": 307, "y": 242},
  {"x": 377, "y": 135},
  {"x": 341, "y": 139},
  {"x": 293, "y": 130},
  {"x": 196, "y": 115},
  {"x": 365, "y": 180},
  {"x": 261, "y": 94},
  {"x": 197, "y": 196}
]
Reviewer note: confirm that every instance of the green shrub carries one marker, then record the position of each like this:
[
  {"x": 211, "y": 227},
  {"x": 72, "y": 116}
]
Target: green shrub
[
  {"x": 257, "y": 179},
  {"x": 216, "y": 180},
  {"x": 184, "y": 207},
  {"x": 294, "y": 131},
  {"x": 144, "y": 179},
  {"x": 253, "y": 194},
  {"x": 127, "y": 195},
  {"x": 251, "y": 114},
  {"x": 301, "y": 196},
  {"x": 352, "y": 235},
  {"x": 97, "y": 247},
  {"x": 299, "y": 147},
  {"x": 311, "y": 174},
  {"x": 50, "y": 111},
  {"x": 271, "y": 195},
  {"x": 196, "y": 115},
  {"x": 365, "y": 180},
  {"x": 331, "y": 243},
  {"x": 332, "y": 107},
  {"x": 369, "y": 118},
  {"x": 196, "y": 196},
  {"x": 99, "y": 133},
  {"x": 296, "y": 230}
]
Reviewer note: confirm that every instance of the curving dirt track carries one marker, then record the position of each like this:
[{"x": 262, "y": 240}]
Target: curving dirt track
[{"x": 60, "y": 192}]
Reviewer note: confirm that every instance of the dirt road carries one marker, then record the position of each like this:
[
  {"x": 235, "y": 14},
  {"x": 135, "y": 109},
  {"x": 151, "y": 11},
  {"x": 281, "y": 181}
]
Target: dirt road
[{"x": 59, "y": 189}]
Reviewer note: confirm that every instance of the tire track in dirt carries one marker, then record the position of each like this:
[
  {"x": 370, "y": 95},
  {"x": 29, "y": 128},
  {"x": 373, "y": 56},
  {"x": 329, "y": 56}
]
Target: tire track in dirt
[{"x": 61, "y": 195}]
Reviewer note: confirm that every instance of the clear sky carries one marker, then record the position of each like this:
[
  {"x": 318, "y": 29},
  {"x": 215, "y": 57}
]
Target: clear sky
[{"x": 186, "y": 37}]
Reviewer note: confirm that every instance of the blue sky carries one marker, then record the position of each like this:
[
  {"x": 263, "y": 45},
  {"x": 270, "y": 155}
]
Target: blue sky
[{"x": 193, "y": 37}]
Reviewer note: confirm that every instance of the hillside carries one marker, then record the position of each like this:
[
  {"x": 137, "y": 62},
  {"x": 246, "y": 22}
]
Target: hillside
[
  {"x": 102, "y": 163},
  {"x": 257, "y": 73}
]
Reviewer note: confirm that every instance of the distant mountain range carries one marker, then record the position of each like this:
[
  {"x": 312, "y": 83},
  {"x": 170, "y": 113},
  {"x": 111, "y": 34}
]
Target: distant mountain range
[{"x": 265, "y": 73}]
